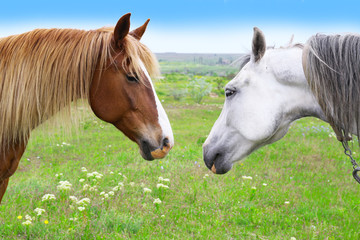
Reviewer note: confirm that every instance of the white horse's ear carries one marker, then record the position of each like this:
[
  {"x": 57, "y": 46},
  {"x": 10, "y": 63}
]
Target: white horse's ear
[{"x": 258, "y": 45}]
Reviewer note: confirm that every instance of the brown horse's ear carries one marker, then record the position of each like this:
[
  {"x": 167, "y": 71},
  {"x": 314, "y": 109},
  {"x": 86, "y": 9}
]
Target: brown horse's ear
[
  {"x": 139, "y": 32},
  {"x": 258, "y": 44},
  {"x": 122, "y": 29}
]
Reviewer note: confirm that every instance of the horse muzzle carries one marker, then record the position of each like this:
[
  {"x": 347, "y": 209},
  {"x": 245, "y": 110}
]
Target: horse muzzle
[
  {"x": 150, "y": 152},
  {"x": 215, "y": 160}
]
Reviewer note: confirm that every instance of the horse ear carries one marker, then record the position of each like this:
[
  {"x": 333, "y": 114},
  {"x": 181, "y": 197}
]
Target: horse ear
[
  {"x": 258, "y": 44},
  {"x": 122, "y": 28},
  {"x": 139, "y": 32}
]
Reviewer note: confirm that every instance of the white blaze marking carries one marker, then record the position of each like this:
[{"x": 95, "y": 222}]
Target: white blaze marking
[{"x": 162, "y": 116}]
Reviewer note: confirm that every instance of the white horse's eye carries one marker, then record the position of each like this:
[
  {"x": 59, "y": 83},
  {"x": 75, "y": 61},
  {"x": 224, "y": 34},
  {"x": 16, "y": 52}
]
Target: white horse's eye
[{"x": 229, "y": 92}]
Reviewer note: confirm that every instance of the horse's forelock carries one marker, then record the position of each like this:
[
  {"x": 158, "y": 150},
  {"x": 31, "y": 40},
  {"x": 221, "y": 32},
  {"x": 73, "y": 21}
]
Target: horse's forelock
[{"x": 135, "y": 51}]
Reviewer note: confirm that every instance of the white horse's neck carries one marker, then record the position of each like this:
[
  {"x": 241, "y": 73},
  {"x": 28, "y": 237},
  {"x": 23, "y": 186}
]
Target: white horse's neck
[{"x": 287, "y": 67}]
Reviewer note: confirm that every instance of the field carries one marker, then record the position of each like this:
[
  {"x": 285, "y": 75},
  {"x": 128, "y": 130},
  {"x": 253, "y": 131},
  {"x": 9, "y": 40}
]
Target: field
[{"x": 298, "y": 188}]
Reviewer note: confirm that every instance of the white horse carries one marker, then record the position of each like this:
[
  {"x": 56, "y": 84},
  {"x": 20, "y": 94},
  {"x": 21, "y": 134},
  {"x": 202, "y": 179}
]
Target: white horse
[{"x": 267, "y": 95}]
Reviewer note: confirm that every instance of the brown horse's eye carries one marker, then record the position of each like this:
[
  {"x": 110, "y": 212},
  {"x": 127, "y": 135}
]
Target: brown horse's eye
[{"x": 132, "y": 78}]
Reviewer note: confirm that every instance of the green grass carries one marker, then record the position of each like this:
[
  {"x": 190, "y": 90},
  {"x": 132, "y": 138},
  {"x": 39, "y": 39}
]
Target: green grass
[{"x": 307, "y": 169}]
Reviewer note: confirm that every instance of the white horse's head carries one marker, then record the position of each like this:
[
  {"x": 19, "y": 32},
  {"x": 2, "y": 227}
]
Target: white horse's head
[{"x": 268, "y": 93}]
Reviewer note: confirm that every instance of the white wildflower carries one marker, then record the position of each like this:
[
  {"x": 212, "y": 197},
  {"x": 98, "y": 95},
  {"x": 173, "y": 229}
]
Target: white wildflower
[
  {"x": 120, "y": 184},
  {"x": 83, "y": 169},
  {"x": 28, "y": 217},
  {"x": 93, "y": 189},
  {"x": 102, "y": 193},
  {"x": 81, "y": 209},
  {"x": 157, "y": 201},
  {"x": 48, "y": 196},
  {"x": 115, "y": 188},
  {"x": 254, "y": 188},
  {"x": 160, "y": 185},
  {"x": 111, "y": 193},
  {"x": 64, "y": 185},
  {"x": 95, "y": 174},
  {"x": 132, "y": 184},
  {"x": 206, "y": 175},
  {"x": 83, "y": 202},
  {"x": 147, "y": 190},
  {"x": 86, "y": 187},
  {"x": 82, "y": 180},
  {"x": 287, "y": 202},
  {"x": 264, "y": 184},
  {"x": 106, "y": 195},
  {"x": 39, "y": 211},
  {"x": 246, "y": 177},
  {"x": 27, "y": 222}
]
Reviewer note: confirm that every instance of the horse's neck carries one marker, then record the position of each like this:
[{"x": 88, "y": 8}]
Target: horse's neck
[{"x": 301, "y": 101}]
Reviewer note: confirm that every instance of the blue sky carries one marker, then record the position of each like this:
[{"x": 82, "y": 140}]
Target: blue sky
[{"x": 200, "y": 26}]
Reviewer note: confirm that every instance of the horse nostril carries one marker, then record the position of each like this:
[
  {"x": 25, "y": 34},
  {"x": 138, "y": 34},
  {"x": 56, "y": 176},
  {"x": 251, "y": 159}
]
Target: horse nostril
[{"x": 166, "y": 142}]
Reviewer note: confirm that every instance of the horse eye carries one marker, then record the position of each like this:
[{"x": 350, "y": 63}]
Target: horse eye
[
  {"x": 229, "y": 92},
  {"x": 132, "y": 78}
]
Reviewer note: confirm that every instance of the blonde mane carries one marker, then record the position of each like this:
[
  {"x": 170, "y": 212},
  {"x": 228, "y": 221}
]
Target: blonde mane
[{"x": 45, "y": 70}]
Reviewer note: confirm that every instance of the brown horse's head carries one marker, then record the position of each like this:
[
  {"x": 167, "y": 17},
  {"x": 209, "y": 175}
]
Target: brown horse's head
[{"x": 122, "y": 93}]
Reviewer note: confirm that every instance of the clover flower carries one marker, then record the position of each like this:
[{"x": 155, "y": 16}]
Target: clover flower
[{"x": 48, "y": 196}]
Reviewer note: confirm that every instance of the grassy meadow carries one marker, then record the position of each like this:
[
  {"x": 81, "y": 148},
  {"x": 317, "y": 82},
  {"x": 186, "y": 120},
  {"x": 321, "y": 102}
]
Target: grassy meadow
[{"x": 100, "y": 188}]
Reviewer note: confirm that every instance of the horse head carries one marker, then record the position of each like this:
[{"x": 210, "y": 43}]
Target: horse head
[
  {"x": 268, "y": 93},
  {"x": 123, "y": 94}
]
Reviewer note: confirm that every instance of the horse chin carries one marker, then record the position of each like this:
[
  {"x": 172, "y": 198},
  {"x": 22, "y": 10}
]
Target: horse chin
[
  {"x": 216, "y": 161},
  {"x": 221, "y": 167}
]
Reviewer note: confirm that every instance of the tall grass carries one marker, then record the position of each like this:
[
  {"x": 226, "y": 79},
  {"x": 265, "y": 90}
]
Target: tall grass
[{"x": 299, "y": 187}]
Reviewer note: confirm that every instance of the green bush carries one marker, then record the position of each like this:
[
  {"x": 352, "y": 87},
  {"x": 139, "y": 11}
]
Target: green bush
[{"x": 199, "y": 88}]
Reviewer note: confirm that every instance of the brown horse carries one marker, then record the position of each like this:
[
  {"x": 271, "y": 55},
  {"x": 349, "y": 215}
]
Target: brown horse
[{"x": 45, "y": 70}]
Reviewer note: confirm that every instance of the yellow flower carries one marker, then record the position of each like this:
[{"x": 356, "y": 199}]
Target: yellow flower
[
  {"x": 46, "y": 221},
  {"x": 19, "y": 217}
]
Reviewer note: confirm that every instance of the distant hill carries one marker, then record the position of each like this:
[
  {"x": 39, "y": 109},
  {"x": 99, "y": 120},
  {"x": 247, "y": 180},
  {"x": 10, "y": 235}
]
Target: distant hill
[{"x": 199, "y": 58}]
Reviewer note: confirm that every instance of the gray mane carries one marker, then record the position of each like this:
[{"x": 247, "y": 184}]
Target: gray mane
[{"x": 332, "y": 69}]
